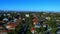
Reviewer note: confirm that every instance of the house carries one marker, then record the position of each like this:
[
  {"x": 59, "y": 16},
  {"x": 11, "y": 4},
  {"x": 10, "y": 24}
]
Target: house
[
  {"x": 4, "y": 32},
  {"x": 11, "y": 26},
  {"x": 32, "y": 30},
  {"x": 44, "y": 25},
  {"x": 36, "y": 22},
  {"x": 15, "y": 20},
  {"x": 48, "y": 18},
  {"x": 27, "y": 15},
  {"x": 1, "y": 27},
  {"x": 38, "y": 25},
  {"x": 35, "y": 19},
  {"x": 2, "y": 23},
  {"x": 8, "y": 14},
  {"x": 44, "y": 13},
  {"x": 4, "y": 14},
  {"x": 5, "y": 19},
  {"x": 23, "y": 18}
]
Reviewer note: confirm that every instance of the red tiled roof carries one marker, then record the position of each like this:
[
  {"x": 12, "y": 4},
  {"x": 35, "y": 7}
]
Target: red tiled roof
[
  {"x": 12, "y": 24},
  {"x": 6, "y": 30},
  {"x": 32, "y": 28},
  {"x": 35, "y": 20}
]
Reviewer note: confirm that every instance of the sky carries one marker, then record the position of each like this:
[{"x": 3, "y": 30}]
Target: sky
[{"x": 30, "y": 5}]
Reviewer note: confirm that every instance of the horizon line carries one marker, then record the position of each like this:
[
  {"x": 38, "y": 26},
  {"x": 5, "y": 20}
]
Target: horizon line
[{"x": 27, "y": 11}]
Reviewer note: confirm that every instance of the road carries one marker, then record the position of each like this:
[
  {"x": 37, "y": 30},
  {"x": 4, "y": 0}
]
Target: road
[{"x": 24, "y": 28}]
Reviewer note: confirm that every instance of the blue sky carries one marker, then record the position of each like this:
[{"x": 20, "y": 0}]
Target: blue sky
[{"x": 30, "y": 5}]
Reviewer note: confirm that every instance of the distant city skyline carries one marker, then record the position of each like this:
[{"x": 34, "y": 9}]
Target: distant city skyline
[{"x": 30, "y": 5}]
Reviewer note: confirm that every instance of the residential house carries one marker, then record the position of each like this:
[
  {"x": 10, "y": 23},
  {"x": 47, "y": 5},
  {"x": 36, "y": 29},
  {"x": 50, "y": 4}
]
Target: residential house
[
  {"x": 36, "y": 22},
  {"x": 4, "y": 32},
  {"x": 5, "y": 20},
  {"x": 27, "y": 15},
  {"x": 38, "y": 25},
  {"x": 11, "y": 26},
  {"x": 32, "y": 30},
  {"x": 48, "y": 18}
]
